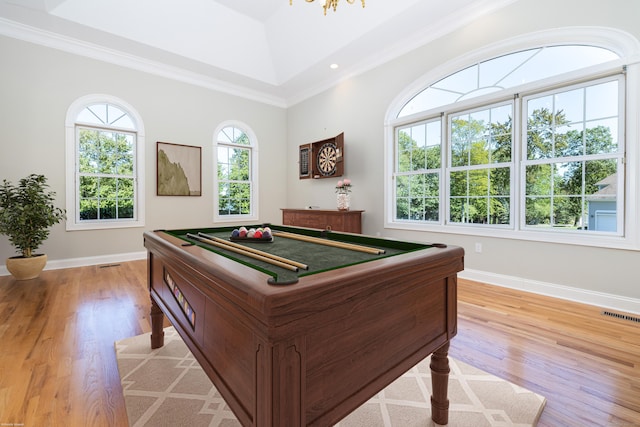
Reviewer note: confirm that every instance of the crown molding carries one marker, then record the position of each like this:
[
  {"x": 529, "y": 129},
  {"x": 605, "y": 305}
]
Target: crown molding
[{"x": 53, "y": 40}]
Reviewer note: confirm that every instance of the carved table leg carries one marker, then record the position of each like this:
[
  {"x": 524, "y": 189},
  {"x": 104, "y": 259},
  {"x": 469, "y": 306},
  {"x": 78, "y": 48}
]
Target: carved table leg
[
  {"x": 440, "y": 384},
  {"x": 157, "y": 333}
]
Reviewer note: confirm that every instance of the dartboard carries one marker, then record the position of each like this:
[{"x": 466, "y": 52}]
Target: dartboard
[{"x": 327, "y": 159}]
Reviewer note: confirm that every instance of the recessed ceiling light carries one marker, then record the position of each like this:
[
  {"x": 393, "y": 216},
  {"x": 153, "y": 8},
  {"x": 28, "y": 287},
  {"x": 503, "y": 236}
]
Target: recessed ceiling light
[{"x": 333, "y": 66}]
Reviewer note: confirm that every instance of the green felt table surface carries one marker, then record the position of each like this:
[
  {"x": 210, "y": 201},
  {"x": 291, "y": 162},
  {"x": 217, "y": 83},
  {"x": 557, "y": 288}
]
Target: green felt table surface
[{"x": 318, "y": 258}]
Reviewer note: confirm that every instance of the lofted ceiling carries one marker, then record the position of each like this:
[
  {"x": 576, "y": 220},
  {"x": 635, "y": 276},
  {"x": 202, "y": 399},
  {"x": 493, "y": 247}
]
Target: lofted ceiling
[{"x": 261, "y": 49}]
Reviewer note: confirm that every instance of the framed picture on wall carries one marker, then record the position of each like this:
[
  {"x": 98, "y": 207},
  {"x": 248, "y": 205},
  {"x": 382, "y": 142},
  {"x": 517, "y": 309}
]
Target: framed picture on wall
[{"x": 179, "y": 170}]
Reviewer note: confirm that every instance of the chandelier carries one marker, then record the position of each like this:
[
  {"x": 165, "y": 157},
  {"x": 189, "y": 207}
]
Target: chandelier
[{"x": 329, "y": 4}]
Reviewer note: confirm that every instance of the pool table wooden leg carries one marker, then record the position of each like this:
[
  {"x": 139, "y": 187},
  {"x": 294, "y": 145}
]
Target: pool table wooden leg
[
  {"x": 440, "y": 384},
  {"x": 157, "y": 333}
]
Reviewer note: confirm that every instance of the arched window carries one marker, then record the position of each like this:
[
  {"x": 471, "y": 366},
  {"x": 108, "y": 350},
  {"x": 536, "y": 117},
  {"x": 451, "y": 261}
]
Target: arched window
[
  {"x": 528, "y": 144},
  {"x": 105, "y": 158},
  {"x": 236, "y": 171},
  {"x": 505, "y": 72}
]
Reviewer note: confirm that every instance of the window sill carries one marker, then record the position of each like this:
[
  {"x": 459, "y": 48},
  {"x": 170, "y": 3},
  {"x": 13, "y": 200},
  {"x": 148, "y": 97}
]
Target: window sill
[
  {"x": 560, "y": 237},
  {"x": 234, "y": 218},
  {"x": 102, "y": 225}
]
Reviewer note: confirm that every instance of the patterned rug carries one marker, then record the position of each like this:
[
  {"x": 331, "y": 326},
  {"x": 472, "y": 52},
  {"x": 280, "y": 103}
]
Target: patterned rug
[{"x": 167, "y": 387}]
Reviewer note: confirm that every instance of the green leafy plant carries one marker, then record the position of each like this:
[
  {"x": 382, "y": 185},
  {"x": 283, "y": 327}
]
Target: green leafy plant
[{"x": 27, "y": 212}]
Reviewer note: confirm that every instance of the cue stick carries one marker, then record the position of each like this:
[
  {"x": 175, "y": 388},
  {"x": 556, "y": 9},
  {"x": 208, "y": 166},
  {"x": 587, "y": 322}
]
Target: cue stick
[
  {"x": 242, "y": 252},
  {"x": 255, "y": 251},
  {"x": 326, "y": 242}
]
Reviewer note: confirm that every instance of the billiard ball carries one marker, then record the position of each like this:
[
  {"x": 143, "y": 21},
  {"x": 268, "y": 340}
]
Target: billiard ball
[
  {"x": 266, "y": 234},
  {"x": 235, "y": 233},
  {"x": 258, "y": 234}
]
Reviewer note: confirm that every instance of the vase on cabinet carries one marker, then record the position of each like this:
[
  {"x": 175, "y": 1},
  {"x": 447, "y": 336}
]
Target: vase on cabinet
[{"x": 343, "y": 201}]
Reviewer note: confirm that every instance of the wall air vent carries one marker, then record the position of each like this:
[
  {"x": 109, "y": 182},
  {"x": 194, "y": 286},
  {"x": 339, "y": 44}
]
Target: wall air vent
[{"x": 622, "y": 316}]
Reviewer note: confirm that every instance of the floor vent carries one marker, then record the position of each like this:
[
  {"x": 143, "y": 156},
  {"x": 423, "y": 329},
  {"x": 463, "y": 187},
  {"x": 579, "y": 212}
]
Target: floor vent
[
  {"x": 109, "y": 265},
  {"x": 622, "y": 316}
]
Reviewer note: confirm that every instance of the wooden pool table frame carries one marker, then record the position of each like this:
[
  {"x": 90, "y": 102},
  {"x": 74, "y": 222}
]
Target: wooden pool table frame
[{"x": 310, "y": 353}]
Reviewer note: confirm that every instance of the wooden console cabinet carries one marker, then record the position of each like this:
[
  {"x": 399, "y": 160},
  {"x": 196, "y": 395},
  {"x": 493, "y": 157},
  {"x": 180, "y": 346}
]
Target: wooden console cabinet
[{"x": 326, "y": 219}]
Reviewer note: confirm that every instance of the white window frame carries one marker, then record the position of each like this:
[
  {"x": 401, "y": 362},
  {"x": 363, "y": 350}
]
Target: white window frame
[
  {"x": 624, "y": 45},
  {"x": 253, "y": 161},
  {"x": 73, "y": 222},
  {"x": 439, "y": 171},
  {"x": 619, "y": 155},
  {"x": 449, "y": 168}
]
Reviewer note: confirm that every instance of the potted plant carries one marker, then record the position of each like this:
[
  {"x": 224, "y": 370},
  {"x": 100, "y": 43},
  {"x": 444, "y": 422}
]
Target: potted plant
[{"x": 26, "y": 214}]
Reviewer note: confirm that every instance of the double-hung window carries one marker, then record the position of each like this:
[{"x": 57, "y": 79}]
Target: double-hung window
[
  {"x": 572, "y": 156},
  {"x": 236, "y": 169},
  {"x": 104, "y": 162},
  {"x": 527, "y": 145},
  {"x": 480, "y": 166},
  {"x": 418, "y": 171}
]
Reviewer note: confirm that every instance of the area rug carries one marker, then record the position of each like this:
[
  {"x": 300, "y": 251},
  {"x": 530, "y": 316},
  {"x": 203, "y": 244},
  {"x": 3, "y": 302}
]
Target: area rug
[{"x": 167, "y": 387}]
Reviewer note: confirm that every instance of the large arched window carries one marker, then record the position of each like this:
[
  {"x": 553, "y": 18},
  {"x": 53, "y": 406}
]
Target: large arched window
[
  {"x": 105, "y": 160},
  {"x": 235, "y": 151},
  {"x": 505, "y": 72},
  {"x": 526, "y": 144}
]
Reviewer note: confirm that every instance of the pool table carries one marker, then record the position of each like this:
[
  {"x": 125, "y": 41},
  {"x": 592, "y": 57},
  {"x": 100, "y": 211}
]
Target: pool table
[{"x": 305, "y": 347}]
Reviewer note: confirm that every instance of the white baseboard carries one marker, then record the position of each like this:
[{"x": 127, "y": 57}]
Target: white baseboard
[
  {"x": 599, "y": 299},
  {"x": 57, "y": 264}
]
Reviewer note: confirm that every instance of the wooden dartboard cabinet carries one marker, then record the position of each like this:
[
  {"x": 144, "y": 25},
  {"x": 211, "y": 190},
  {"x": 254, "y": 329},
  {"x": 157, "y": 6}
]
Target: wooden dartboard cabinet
[{"x": 322, "y": 159}]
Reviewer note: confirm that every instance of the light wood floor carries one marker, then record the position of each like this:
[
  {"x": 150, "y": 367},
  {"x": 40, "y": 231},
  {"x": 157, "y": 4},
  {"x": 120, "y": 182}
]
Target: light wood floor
[{"x": 58, "y": 368}]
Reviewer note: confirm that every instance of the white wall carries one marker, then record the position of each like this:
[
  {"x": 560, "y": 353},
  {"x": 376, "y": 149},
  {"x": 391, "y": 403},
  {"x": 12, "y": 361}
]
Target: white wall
[
  {"x": 358, "y": 106},
  {"x": 37, "y": 86}
]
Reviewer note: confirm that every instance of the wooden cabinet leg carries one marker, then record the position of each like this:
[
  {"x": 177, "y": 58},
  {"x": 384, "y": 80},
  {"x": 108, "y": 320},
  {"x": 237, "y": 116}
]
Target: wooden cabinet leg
[
  {"x": 440, "y": 384},
  {"x": 157, "y": 332}
]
